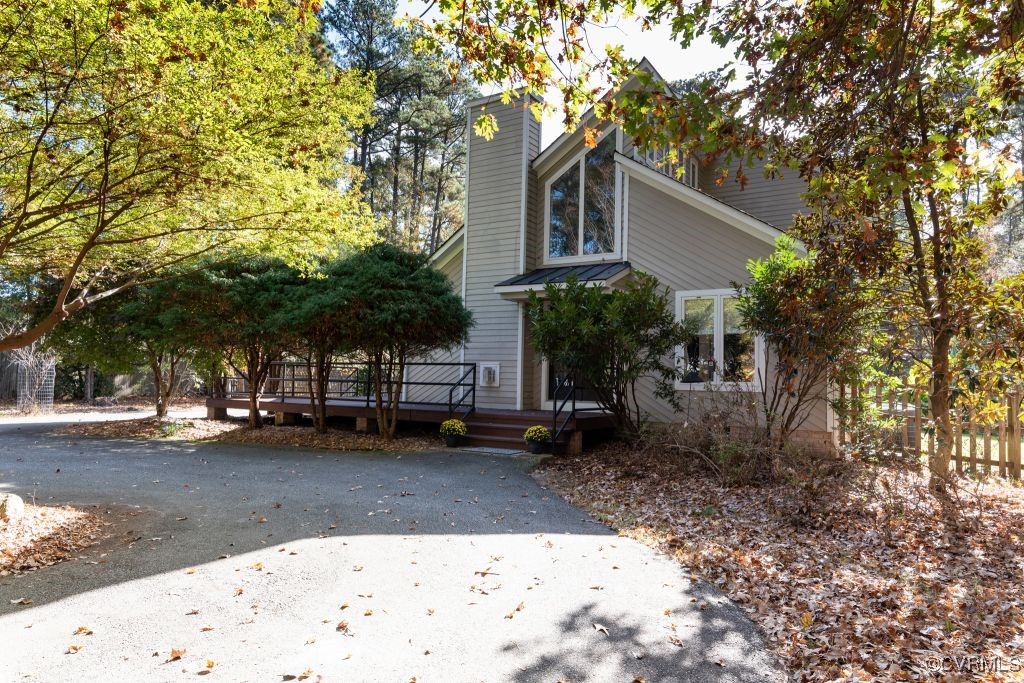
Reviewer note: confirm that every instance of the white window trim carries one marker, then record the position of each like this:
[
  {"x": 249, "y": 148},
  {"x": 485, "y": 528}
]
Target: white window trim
[
  {"x": 577, "y": 159},
  {"x": 719, "y": 295},
  {"x": 692, "y": 173},
  {"x": 545, "y": 402}
]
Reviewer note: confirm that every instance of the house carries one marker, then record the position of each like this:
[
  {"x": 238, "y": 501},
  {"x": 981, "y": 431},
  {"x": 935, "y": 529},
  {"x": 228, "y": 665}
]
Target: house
[{"x": 535, "y": 215}]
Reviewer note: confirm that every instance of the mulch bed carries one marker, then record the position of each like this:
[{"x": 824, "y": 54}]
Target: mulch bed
[
  {"x": 878, "y": 584},
  {"x": 236, "y": 431},
  {"x": 45, "y": 536}
]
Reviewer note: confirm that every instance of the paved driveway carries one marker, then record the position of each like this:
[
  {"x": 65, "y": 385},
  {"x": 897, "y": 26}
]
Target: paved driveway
[{"x": 448, "y": 566}]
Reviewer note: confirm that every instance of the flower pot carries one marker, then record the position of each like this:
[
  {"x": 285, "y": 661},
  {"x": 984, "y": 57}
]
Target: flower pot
[
  {"x": 452, "y": 440},
  {"x": 536, "y": 446}
]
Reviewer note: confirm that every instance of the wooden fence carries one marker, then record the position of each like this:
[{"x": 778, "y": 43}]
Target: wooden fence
[{"x": 983, "y": 444}]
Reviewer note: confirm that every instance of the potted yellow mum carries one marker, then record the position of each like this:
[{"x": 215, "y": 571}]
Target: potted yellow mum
[
  {"x": 453, "y": 430},
  {"x": 537, "y": 438}
]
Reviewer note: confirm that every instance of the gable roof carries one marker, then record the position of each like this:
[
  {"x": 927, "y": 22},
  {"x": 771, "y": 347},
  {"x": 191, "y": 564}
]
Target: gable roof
[
  {"x": 449, "y": 246},
  {"x": 704, "y": 202},
  {"x": 551, "y": 152}
]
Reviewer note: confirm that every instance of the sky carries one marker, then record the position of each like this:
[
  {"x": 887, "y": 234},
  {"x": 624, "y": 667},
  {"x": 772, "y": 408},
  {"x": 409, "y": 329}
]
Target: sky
[{"x": 656, "y": 44}]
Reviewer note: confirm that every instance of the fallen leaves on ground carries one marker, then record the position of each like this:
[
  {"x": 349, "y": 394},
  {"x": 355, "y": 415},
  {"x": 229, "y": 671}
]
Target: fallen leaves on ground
[
  {"x": 236, "y": 431},
  {"x": 176, "y": 654},
  {"x": 44, "y": 536},
  {"x": 879, "y": 587}
]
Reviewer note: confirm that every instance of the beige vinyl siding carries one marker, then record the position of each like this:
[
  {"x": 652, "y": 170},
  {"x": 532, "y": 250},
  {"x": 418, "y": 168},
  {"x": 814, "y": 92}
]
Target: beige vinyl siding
[
  {"x": 688, "y": 250},
  {"x": 451, "y": 266},
  {"x": 495, "y": 203},
  {"x": 774, "y": 201}
]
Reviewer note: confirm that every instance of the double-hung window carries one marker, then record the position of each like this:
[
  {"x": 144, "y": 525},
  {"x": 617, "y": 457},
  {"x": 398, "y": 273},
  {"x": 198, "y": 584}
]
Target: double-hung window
[
  {"x": 582, "y": 218},
  {"x": 721, "y": 352}
]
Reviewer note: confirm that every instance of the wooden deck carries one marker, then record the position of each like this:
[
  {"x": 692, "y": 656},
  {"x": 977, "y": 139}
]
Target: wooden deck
[{"x": 487, "y": 426}]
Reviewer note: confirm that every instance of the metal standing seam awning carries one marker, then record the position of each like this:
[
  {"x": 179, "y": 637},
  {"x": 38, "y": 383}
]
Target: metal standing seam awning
[{"x": 595, "y": 274}]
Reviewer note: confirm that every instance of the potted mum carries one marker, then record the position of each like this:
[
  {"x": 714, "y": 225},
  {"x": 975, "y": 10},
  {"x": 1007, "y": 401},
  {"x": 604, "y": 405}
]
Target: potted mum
[
  {"x": 453, "y": 431},
  {"x": 537, "y": 438}
]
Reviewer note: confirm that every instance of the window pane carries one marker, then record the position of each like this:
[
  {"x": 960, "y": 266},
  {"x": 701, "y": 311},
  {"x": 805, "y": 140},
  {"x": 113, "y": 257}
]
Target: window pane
[
  {"x": 698, "y": 362},
  {"x": 565, "y": 214},
  {"x": 599, "y": 198},
  {"x": 738, "y": 364}
]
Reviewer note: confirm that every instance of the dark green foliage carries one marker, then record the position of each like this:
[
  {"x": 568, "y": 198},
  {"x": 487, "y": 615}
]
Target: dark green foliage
[
  {"x": 239, "y": 309},
  {"x": 72, "y": 383},
  {"x": 319, "y": 323},
  {"x": 608, "y": 341},
  {"x": 397, "y": 307},
  {"x": 142, "y": 326}
]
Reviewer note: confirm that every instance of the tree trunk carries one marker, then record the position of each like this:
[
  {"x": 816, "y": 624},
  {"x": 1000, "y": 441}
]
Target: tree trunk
[
  {"x": 90, "y": 384},
  {"x": 254, "y": 369},
  {"x": 377, "y": 367},
  {"x": 940, "y": 411},
  {"x": 155, "y": 366}
]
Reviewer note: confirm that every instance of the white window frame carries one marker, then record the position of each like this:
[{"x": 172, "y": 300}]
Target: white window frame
[
  {"x": 692, "y": 173},
  {"x": 545, "y": 402},
  {"x": 577, "y": 160},
  {"x": 719, "y": 296}
]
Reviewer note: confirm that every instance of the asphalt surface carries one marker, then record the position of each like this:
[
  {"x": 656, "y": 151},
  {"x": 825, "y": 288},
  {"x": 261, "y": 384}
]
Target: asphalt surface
[{"x": 448, "y": 566}]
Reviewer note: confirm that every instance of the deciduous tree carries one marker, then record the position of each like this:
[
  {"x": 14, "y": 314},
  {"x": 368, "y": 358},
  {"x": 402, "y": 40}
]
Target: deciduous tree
[
  {"x": 136, "y": 135},
  {"x": 890, "y": 111},
  {"x": 398, "y": 307},
  {"x": 239, "y": 309}
]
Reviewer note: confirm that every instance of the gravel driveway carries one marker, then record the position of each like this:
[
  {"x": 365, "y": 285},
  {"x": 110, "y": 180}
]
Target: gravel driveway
[{"x": 272, "y": 563}]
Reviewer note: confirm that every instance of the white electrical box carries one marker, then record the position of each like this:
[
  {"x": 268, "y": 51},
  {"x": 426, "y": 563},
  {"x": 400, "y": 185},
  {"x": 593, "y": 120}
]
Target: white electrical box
[{"x": 490, "y": 375}]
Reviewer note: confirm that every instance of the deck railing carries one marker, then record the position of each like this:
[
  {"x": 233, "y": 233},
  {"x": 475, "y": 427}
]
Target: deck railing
[
  {"x": 557, "y": 408},
  {"x": 448, "y": 385}
]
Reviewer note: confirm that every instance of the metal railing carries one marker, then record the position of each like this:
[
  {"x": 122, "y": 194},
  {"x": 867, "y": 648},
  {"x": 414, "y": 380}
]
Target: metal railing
[
  {"x": 355, "y": 382},
  {"x": 557, "y": 408},
  {"x": 453, "y": 404}
]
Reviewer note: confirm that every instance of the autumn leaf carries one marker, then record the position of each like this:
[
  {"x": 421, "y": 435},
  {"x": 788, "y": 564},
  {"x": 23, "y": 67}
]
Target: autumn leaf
[
  {"x": 519, "y": 608},
  {"x": 806, "y": 619},
  {"x": 72, "y": 649},
  {"x": 83, "y": 631},
  {"x": 239, "y": 591},
  {"x": 176, "y": 654},
  {"x": 305, "y": 674}
]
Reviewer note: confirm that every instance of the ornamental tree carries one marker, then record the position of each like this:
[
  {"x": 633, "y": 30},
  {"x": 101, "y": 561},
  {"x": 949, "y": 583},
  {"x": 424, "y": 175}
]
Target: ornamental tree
[
  {"x": 893, "y": 112},
  {"x": 398, "y": 307},
  {"x": 137, "y": 135},
  {"x": 319, "y": 324},
  {"x": 145, "y": 326},
  {"x": 814, "y": 325},
  {"x": 609, "y": 341},
  {"x": 238, "y": 309}
]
